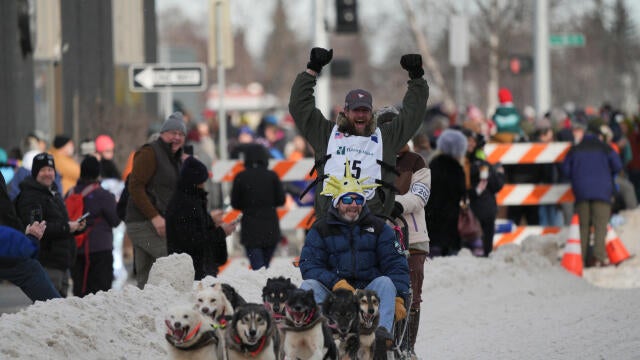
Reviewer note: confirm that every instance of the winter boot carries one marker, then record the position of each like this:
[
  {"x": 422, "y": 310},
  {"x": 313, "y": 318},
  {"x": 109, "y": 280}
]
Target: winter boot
[{"x": 414, "y": 324}]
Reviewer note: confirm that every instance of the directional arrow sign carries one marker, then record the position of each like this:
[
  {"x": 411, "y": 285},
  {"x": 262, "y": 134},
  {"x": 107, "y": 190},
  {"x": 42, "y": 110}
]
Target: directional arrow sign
[{"x": 174, "y": 77}]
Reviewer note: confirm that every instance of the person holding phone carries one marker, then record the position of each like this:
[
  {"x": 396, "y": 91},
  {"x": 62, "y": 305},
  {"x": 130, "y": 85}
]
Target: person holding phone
[
  {"x": 19, "y": 250},
  {"x": 40, "y": 196},
  {"x": 93, "y": 268}
]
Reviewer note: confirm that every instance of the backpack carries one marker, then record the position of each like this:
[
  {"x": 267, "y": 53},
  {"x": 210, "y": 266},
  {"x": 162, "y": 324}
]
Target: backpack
[
  {"x": 75, "y": 208},
  {"x": 121, "y": 206}
]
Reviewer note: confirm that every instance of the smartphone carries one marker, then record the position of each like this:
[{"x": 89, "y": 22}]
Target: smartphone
[
  {"x": 84, "y": 216},
  {"x": 237, "y": 220},
  {"x": 36, "y": 215}
]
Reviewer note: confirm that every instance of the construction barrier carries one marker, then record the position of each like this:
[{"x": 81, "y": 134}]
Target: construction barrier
[
  {"x": 294, "y": 218},
  {"x": 526, "y": 153},
  {"x": 287, "y": 170},
  {"x": 509, "y": 154},
  {"x": 511, "y": 194},
  {"x": 519, "y": 233},
  {"x": 529, "y": 194}
]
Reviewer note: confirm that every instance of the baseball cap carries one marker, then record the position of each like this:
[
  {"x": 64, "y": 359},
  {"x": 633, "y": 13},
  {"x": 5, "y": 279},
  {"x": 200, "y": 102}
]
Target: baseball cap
[{"x": 358, "y": 98}]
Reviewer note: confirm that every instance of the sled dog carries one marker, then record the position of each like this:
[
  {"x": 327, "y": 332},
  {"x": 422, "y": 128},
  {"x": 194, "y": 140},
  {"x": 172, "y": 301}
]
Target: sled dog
[
  {"x": 369, "y": 303},
  {"x": 188, "y": 334},
  {"x": 306, "y": 334},
  {"x": 274, "y": 296},
  {"x": 251, "y": 334},
  {"x": 342, "y": 310}
]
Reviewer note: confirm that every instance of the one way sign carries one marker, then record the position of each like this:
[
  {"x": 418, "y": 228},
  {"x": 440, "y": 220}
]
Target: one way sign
[{"x": 174, "y": 77}]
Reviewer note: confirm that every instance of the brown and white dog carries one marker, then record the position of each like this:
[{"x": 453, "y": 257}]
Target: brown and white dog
[
  {"x": 274, "y": 296},
  {"x": 189, "y": 336},
  {"x": 369, "y": 303}
]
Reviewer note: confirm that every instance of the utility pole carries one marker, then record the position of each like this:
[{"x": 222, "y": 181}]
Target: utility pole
[
  {"x": 542, "y": 73},
  {"x": 320, "y": 39},
  {"x": 459, "y": 54},
  {"x": 222, "y": 115}
]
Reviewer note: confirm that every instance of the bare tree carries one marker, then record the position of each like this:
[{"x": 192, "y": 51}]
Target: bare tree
[
  {"x": 244, "y": 69},
  {"x": 282, "y": 50},
  {"x": 430, "y": 62},
  {"x": 496, "y": 23}
]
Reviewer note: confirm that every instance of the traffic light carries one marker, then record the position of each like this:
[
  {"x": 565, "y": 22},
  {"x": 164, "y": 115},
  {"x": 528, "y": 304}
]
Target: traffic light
[
  {"x": 520, "y": 64},
  {"x": 346, "y": 16},
  {"x": 341, "y": 68}
]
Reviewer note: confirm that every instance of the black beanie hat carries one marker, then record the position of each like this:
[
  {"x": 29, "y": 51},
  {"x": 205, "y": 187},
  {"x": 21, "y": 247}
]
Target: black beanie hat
[
  {"x": 193, "y": 172},
  {"x": 90, "y": 168},
  {"x": 60, "y": 141},
  {"x": 39, "y": 161}
]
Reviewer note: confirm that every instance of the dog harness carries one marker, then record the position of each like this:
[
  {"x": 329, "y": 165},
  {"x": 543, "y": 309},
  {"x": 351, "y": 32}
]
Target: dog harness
[
  {"x": 221, "y": 322},
  {"x": 310, "y": 321},
  {"x": 207, "y": 338},
  {"x": 250, "y": 350}
]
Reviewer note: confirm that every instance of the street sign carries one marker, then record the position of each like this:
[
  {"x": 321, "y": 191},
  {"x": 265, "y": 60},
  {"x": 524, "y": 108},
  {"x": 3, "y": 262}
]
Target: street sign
[
  {"x": 566, "y": 40},
  {"x": 161, "y": 77},
  {"x": 459, "y": 41}
]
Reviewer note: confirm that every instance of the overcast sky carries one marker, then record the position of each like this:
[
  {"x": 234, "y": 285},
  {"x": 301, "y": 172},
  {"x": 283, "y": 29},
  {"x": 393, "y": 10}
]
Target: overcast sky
[{"x": 254, "y": 15}]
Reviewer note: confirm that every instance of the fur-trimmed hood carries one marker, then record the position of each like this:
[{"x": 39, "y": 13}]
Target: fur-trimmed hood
[{"x": 380, "y": 116}]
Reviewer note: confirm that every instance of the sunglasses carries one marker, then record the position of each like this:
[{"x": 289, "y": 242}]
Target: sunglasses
[
  {"x": 348, "y": 200},
  {"x": 44, "y": 156}
]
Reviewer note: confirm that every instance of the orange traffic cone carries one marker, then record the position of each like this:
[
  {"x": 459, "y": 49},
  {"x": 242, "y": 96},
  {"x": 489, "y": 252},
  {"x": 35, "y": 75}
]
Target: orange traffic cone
[
  {"x": 615, "y": 249},
  {"x": 224, "y": 266},
  {"x": 572, "y": 257}
]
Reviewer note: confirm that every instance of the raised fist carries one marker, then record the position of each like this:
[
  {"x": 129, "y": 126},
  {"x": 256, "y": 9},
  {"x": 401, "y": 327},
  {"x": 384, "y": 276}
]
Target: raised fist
[
  {"x": 318, "y": 58},
  {"x": 413, "y": 64}
]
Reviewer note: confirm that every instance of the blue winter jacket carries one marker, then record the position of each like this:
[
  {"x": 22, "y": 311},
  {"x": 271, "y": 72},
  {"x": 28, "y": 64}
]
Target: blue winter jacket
[
  {"x": 591, "y": 165},
  {"x": 14, "y": 244},
  {"x": 357, "y": 252}
]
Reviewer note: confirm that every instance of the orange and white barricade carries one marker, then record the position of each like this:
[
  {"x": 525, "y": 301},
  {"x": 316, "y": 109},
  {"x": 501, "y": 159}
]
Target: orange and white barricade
[
  {"x": 511, "y": 194},
  {"x": 294, "y": 218},
  {"x": 526, "y": 153},
  {"x": 287, "y": 170},
  {"x": 519, "y": 233},
  {"x": 530, "y": 194}
]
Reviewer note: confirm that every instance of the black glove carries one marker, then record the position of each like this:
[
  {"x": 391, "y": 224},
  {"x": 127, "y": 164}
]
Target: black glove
[
  {"x": 318, "y": 58},
  {"x": 397, "y": 210},
  {"x": 413, "y": 64}
]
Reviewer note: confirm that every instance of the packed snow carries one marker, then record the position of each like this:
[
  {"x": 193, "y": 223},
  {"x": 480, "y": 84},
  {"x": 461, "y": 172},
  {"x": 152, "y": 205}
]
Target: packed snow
[{"x": 517, "y": 304}]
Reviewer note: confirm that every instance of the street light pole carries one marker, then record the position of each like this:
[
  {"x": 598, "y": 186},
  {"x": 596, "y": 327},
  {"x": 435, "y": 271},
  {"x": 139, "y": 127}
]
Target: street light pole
[
  {"x": 222, "y": 115},
  {"x": 320, "y": 39},
  {"x": 542, "y": 73}
]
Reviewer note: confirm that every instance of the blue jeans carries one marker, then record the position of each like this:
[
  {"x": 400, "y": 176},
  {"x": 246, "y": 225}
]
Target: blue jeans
[
  {"x": 31, "y": 277},
  {"x": 381, "y": 285},
  {"x": 550, "y": 215},
  {"x": 260, "y": 257}
]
